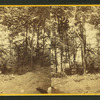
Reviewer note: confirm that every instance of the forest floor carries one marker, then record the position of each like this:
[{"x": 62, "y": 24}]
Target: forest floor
[
  {"x": 26, "y": 83},
  {"x": 89, "y": 83}
]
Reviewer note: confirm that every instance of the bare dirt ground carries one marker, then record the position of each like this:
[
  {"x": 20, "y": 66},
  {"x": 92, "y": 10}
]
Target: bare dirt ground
[
  {"x": 89, "y": 83},
  {"x": 26, "y": 83}
]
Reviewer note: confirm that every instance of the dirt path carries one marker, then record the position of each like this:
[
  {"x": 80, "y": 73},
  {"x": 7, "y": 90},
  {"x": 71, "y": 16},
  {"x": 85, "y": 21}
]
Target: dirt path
[
  {"x": 78, "y": 84},
  {"x": 26, "y": 83}
]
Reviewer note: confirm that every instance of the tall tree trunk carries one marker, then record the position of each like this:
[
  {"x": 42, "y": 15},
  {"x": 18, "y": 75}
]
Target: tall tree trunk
[
  {"x": 98, "y": 43},
  {"x": 10, "y": 48},
  {"x": 75, "y": 51},
  {"x": 10, "y": 40},
  {"x": 68, "y": 55},
  {"x": 43, "y": 40},
  {"x": 37, "y": 51},
  {"x": 32, "y": 50},
  {"x": 56, "y": 59},
  {"x": 61, "y": 54},
  {"x": 26, "y": 39},
  {"x": 85, "y": 51},
  {"x": 61, "y": 59},
  {"x": 44, "y": 37},
  {"x": 18, "y": 55},
  {"x": 83, "y": 48},
  {"x": 74, "y": 60},
  {"x": 83, "y": 58},
  {"x": 26, "y": 49}
]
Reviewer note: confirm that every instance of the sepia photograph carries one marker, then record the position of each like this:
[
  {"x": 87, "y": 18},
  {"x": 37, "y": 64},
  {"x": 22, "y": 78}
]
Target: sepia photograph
[
  {"x": 50, "y": 50},
  {"x": 75, "y": 53},
  {"x": 24, "y": 50}
]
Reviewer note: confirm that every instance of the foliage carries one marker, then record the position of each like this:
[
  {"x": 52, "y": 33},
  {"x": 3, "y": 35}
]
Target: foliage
[{"x": 43, "y": 35}]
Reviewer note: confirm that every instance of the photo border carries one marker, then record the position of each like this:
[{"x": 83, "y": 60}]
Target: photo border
[{"x": 52, "y": 94}]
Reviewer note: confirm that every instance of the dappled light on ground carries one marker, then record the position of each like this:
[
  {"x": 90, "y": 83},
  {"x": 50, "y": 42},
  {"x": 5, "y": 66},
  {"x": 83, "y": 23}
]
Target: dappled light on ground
[
  {"x": 89, "y": 83},
  {"x": 26, "y": 83}
]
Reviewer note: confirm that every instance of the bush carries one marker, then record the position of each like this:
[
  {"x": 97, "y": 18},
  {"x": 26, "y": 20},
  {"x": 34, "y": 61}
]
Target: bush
[
  {"x": 78, "y": 70},
  {"x": 58, "y": 74},
  {"x": 67, "y": 71}
]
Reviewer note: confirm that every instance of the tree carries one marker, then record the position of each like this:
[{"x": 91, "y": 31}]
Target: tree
[{"x": 81, "y": 17}]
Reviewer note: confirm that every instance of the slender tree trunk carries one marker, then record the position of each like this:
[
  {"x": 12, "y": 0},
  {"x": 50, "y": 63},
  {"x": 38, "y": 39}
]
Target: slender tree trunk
[
  {"x": 10, "y": 48},
  {"x": 75, "y": 51},
  {"x": 61, "y": 55},
  {"x": 61, "y": 59},
  {"x": 98, "y": 43},
  {"x": 98, "y": 48},
  {"x": 31, "y": 57},
  {"x": 18, "y": 55},
  {"x": 56, "y": 58},
  {"x": 74, "y": 60},
  {"x": 69, "y": 60},
  {"x": 37, "y": 52},
  {"x": 83, "y": 54},
  {"x": 43, "y": 40},
  {"x": 68, "y": 55},
  {"x": 83, "y": 59},
  {"x": 32, "y": 50},
  {"x": 85, "y": 51},
  {"x": 26, "y": 45},
  {"x": 44, "y": 37},
  {"x": 26, "y": 39},
  {"x": 83, "y": 48}
]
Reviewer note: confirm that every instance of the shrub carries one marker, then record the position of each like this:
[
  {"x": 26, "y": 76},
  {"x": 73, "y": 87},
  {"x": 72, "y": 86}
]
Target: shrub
[{"x": 58, "y": 74}]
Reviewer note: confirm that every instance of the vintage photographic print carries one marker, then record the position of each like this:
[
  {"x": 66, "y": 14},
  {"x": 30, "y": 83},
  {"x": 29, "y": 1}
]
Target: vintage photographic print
[
  {"x": 24, "y": 50},
  {"x": 50, "y": 50}
]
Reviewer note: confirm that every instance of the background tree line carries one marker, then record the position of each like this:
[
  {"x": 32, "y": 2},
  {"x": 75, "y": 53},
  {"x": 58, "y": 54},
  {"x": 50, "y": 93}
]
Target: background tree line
[
  {"x": 49, "y": 36},
  {"x": 69, "y": 37}
]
